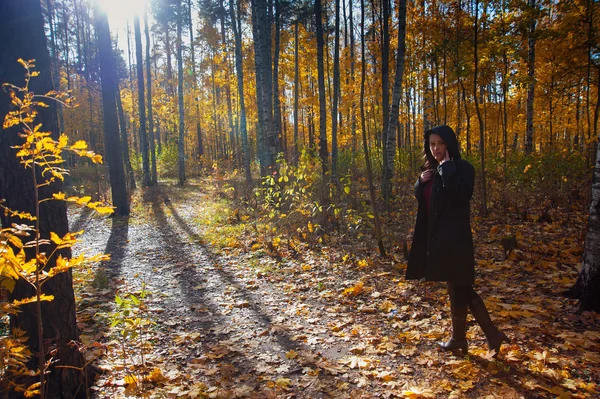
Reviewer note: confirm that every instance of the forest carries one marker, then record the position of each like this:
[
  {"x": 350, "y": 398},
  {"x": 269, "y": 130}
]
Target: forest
[{"x": 216, "y": 199}]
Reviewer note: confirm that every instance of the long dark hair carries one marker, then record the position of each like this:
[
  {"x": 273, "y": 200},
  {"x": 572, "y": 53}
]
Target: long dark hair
[{"x": 429, "y": 161}]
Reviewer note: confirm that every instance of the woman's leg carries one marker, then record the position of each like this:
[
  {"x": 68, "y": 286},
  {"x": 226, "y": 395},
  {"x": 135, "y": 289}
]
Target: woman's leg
[
  {"x": 494, "y": 337},
  {"x": 459, "y": 310}
]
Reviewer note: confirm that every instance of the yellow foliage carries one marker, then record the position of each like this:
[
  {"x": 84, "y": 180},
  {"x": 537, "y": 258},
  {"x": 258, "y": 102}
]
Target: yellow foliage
[
  {"x": 38, "y": 149},
  {"x": 43, "y": 297}
]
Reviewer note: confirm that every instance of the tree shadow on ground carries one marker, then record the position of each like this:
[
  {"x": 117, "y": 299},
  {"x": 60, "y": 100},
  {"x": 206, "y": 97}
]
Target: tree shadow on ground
[
  {"x": 175, "y": 247},
  {"x": 513, "y": 375},
  {"x": 116, "y": 245},
  {"x": 82, "y": 219}
]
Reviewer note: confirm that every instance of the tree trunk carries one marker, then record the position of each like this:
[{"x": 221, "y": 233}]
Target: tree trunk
[
  {"x": 225, "y": 66},
  {"x": 478, "y": 111},
  {"x": 392, "y": 124},
  {"x": 112, "y": 142},
  {"x": 591, "y": 55},
  {"x": 377, "y": 223},
  {"x": 296, "y": 91},
  {"x": 151, "y": 144},
  {"x": 181, "y": 146},
  {"x": 261, "y": 31},
  {"x": 323, "y": 150},
  {"x": 457, "y": 67},
  {"x": 125, "y": 140},
  {"x": 240, "y": 81},
  {"x": 146, "y": 180},
  {"x": 336, "y": 93},
  {"x": 531, "y": 78},
  {"x": 168, "y": 54},
  {"x": 587, "y": 287},
  {"x": 195, "y": 77},
  {"x": 277, "y": 116},
  {"x": 16, "y": 187},
  {"x": 385, "y": 79}
]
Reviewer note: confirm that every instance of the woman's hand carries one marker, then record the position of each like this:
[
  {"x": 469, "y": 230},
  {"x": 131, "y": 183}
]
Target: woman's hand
[{"x": 427, "y": 175}]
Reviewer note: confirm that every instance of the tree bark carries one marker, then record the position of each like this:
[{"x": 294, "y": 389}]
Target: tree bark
[
  {"x": 16, "y": 187},
  {"x": 336, "y": 93},
  {"x": 151, "y": 144},
  {"x": 240, "y": 82},
  {"x": 587, "y": 287},
  {"x": 478, "y": 110},
  {"x": 277, "y": 116},
  {"x": 181, "y": 143},
  {"x": 125, "y": 140},
  {"x": 323, "y": 150},
  {"x": 296, "y": 91},
  {"x": 261, "y": 31},
  {"x": 146, "y": 180},
  {"x": 195, "y": 77},
  {"x": 530, "y": 77},
  {"x": 112, "y": 142},
  {"x": 392, "y": 124},
  {"x": 377, "y": 223}
]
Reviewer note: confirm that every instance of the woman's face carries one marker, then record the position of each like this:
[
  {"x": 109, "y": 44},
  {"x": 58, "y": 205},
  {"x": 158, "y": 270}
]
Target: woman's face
[{"x": 437, "y": 147}]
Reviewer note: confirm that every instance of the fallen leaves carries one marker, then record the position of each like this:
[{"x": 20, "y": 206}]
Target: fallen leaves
[{"x": 317, "y": 324}]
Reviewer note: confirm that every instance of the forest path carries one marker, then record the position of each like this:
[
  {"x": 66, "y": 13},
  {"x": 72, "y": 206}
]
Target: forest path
[{"x": 254, "y": 326}]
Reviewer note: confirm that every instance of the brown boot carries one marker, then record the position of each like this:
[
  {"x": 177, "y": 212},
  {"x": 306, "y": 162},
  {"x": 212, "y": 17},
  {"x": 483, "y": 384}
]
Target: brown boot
[
  {"x": 459, "y": 330},
  {"x": 494, "y": 337}
]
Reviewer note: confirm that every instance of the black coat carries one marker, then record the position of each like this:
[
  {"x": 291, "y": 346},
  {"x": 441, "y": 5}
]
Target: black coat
[{"x": 442, "y": 247}]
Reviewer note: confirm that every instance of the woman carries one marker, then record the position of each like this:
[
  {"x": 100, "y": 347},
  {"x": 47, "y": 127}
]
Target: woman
[{"x": 442, "y": 247}]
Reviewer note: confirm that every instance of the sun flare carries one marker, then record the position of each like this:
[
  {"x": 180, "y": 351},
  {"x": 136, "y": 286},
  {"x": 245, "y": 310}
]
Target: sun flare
[{"x": 121, "y": 11}]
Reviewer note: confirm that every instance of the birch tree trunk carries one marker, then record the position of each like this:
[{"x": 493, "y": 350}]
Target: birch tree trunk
[
  {"x": 151, "y": 143},
  {"x": 587, "y": 287}
]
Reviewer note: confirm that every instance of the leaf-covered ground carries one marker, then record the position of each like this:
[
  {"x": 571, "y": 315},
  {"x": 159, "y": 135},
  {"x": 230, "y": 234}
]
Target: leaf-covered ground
[{"x": 329, "y": 321}]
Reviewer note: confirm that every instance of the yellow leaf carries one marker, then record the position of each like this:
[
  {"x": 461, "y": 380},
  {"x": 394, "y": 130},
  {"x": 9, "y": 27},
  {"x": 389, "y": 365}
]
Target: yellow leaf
[
  {"x": 32, "y": 390},
  {"x": 104, "y": 210},
  {"x": 43, "y": 297},
  {"x": 465, "y": 385},
  {"x": 79, "y": 145},
  {"x": 417, "y": 393},
  {"x": 292, "y": 354},
  {"x": 84, "y": 200},
  {"x": 130, "y": 379},
  {"x": 155, "y": 375},
  {"x": 63, "y": 140},
  {"x": 7, "y": 283},
  {"x": 355, "y": 290},
  {"x": 59, "y": 196},
  {"x": 55, "y": 238},
  {"x": 16, "y": 241},
  {"x": 284, "y": 383}
]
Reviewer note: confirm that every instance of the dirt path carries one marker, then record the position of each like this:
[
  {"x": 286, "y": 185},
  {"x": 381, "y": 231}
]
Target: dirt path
[{"x": 245, "y": 326}]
